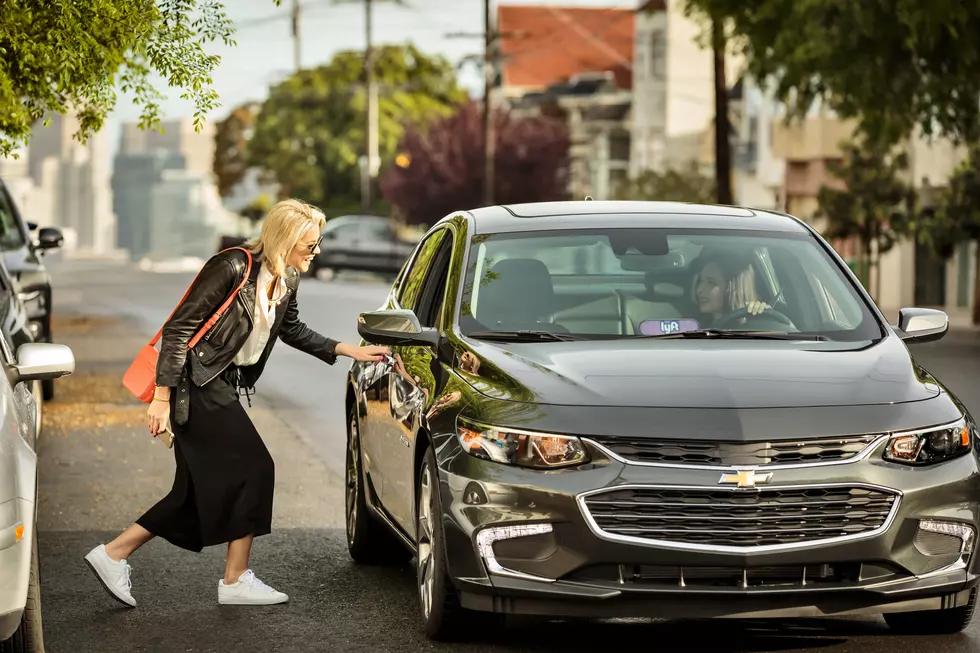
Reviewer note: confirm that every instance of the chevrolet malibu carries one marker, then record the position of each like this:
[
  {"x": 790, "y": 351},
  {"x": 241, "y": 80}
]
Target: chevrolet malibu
[{"x": 617, "y": 409}]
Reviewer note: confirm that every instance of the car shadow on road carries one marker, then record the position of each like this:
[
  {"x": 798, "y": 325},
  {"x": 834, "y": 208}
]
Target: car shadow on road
[{"x": 338, "y": 606}]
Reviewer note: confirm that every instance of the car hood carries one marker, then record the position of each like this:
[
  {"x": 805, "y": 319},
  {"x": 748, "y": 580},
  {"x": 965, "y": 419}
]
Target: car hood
[{"x": 700, "y": 374}]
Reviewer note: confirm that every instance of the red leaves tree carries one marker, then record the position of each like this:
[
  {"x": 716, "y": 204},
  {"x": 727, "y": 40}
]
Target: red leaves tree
[{"x": 441, "y": 168}]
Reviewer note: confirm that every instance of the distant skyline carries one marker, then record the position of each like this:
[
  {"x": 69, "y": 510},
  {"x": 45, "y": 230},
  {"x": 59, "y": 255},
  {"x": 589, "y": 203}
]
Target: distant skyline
[{"x": 264, "y": 51}]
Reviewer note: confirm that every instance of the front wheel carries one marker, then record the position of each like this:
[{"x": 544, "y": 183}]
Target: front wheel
[
  {"x": 934, "y": 622},
  {"x": 368, "y": 541},
  {"x": 29, "y": 637},
  {"x": 443, "y": 617}
]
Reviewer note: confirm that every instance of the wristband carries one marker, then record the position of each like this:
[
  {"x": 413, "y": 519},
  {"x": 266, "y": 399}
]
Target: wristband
[{"x": 161, "y": 399}]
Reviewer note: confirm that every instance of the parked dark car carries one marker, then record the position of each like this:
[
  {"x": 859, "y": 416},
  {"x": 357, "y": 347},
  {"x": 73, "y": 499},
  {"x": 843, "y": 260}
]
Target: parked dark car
[
  {"x": 569, "y": 425},
  {"x": 366, "y": 243},
  {"x": 24, "y": 259}
]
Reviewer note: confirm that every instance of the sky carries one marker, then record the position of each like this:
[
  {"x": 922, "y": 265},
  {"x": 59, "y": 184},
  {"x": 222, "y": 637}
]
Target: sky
[{"x": 264, "y": 50}]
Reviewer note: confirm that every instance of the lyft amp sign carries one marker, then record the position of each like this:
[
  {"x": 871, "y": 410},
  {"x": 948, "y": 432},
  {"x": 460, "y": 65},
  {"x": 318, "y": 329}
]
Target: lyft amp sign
[{"x": 665, "y": 327}]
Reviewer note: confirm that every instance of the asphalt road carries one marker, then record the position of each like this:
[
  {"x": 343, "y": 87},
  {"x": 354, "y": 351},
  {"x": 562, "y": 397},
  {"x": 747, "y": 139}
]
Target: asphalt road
[{"x": 98, "y": 471}]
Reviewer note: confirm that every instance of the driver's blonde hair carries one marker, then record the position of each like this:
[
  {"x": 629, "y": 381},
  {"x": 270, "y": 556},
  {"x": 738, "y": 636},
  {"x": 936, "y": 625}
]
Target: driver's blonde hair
[
  {"x": 742, "y": 289},
  {"x": 284, "y": 225}
]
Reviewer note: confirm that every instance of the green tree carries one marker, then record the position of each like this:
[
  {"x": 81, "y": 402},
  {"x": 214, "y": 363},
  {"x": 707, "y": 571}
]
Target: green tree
[
  {"x": 958, "y": 216},
  {"x": 674, "y": 185},
  {"x": 231, "y": 146},
  {"x": 310, "y": 131},
  {"x": 872, "y": 203},
  {"x": 892, "y": 64},
  {"x": 62, "y": 55}
]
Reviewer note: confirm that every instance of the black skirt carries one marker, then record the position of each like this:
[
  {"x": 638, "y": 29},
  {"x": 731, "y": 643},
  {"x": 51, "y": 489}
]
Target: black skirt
[{"x": 225, "y": 477}]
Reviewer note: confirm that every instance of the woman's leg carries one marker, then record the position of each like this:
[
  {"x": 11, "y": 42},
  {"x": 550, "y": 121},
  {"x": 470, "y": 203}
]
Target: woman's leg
[
  {"x": 128, "y": 541},
  {"x": 236, "y": 563}
]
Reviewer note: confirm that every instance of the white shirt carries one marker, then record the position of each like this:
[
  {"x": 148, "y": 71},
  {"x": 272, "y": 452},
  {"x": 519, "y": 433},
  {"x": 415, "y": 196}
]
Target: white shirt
[{"x": 263, "y": 316}]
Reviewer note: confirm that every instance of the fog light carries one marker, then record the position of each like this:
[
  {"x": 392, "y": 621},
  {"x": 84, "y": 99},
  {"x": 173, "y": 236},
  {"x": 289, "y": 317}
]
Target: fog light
[
  {"x": 946, "y": 531},
  {"x": 486, "y": 538}
]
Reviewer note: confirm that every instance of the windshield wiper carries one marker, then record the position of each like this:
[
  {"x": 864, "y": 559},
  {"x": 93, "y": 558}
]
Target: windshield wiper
[
  {"x": 745, "y": 335},
  {"x": 524, "y": 335}
]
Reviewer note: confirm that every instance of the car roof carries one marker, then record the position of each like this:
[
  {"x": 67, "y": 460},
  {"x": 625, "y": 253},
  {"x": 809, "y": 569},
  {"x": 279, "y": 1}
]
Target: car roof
[{"x": 542, "y": 216}]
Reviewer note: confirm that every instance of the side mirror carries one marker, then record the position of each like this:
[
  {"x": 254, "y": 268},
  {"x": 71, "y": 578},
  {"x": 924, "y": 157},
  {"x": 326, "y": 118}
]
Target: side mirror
[
  {"x": 921, "y": 325},
  {"x": 40, "y": 361},
  {"x": 396, "y": 327},
  {"x": 31, "y": 226},
  {"x": 50, "y": 238}
]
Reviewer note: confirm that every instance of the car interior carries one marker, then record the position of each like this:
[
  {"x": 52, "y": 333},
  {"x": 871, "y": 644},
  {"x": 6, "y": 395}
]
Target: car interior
[{"x": 520, "y": 291}]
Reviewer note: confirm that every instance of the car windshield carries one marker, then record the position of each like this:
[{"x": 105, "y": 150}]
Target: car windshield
[
  {"x": 11, "y": 236},
  {"x": 655, "y": 282}
]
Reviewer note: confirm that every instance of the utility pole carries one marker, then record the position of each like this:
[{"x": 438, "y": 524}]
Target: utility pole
[
  {"x": 489, "y": 136},
  {"x": 296, "y": 39},
  {"x": 723, "y": 152},
  {"x": 371, "y": 128}
]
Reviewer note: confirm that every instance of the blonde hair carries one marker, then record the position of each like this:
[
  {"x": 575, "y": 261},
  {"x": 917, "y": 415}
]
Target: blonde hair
[
  {"x": 286, "y": 222},
  {"x": 742, "y": 289}
]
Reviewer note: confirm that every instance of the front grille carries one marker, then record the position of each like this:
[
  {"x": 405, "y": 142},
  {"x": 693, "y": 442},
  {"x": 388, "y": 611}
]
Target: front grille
[
  {"x": 736, "y": 454},
  {"x": 740, "y": 518},
  {"x": 811, "y": 576}
]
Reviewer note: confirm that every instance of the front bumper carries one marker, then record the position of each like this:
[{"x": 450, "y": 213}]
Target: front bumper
[{"x": 578, "y": 568}]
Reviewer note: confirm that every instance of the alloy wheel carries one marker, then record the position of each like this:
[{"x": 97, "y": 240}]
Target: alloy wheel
[
  {"x": 352, "y": 486},
  {"x": 426, "y": 554}
]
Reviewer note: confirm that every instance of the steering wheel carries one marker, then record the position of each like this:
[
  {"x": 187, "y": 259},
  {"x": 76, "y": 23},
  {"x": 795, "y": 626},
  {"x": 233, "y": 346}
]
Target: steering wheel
[{"x": 744, "y": 313}]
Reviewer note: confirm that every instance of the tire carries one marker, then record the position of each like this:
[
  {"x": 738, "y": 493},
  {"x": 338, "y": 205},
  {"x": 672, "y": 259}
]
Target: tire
[
  {"x": 934, "y": 622},
  {"x": 47, "y": 387},
  {"x": 29, "y": 637},
  {"x": 369, "y": 542},
  {"x": 443, "y": 618}
]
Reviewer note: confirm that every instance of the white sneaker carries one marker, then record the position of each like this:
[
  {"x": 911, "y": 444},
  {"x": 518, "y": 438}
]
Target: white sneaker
[
  {"x": 249, "y": 590},
  {"x": 113, "y": 575}
]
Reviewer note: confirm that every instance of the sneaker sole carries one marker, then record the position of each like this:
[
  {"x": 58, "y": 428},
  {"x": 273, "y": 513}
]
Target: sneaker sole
[
  {"x": 233, "y": 602},
  {"x": 106, "y": 587}
]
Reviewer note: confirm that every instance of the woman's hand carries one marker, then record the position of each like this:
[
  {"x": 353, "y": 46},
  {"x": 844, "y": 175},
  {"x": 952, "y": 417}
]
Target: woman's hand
[
  {"x": 754, "y": 308},
  {"x": 157, "y": 415},
  {"x": 366, "y": 354}
]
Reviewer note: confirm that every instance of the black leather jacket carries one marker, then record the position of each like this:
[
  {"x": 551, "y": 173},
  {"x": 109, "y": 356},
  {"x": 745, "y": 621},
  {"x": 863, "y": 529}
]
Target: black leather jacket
[{"x": 217, "y": 350}]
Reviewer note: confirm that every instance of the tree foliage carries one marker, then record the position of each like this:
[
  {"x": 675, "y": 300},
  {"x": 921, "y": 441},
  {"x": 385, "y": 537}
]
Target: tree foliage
[
  {"x": 444, "y": 171},
  {"x": 310, "y": 132},
  {"x": 958, "y": 216},
  {"x": 231, "y": 146},
  {"x": 873, "y": 204},
  {"x": 62, "y": 55},
  {"x": 673, "y": 185},
  {"x": 893, "y": 64}
]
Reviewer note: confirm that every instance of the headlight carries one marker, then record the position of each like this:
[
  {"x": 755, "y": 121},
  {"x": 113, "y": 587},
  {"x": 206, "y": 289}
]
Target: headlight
[
  {"x": 930, "y": 446},
  {"x": 522, "y": 448}
]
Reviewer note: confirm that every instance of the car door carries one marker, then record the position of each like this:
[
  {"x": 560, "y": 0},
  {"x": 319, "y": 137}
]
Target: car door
[{"x": 410, "y": 382}]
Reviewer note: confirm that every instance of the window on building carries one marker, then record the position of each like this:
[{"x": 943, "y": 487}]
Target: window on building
[{"x": 658, "y": 54}]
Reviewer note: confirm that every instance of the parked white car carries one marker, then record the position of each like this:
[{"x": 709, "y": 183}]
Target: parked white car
[{"x": 20, "y": 597}]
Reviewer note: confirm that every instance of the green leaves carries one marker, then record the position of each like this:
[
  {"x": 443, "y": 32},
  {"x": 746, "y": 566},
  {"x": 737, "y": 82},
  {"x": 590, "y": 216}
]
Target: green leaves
[
  {"x": 62, "y": 54},
  {"x": 674, "y": 185},
  {"x": 310, "y": 132},
  {"x": 894, "y": 64}
]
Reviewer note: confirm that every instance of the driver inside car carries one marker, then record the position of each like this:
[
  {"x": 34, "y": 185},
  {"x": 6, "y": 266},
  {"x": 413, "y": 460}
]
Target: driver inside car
[{"x": 724, "y": 284}]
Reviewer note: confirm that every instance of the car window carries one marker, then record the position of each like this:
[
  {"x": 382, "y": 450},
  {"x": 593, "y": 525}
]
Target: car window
[
  {"x": 411, "y": 287},
  {"x": 375, "y": 230},
  {"x": 627, "y": 282},
  {"x": 347, "y": 231},
  {"x": 434, "y": 291},
  {"x": 11, "y": 236}
]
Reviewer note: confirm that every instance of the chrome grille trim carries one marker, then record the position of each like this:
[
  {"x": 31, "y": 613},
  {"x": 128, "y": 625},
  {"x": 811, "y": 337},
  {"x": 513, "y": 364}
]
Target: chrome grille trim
[
  {"x": 866, "y": 452},
  {"x": 582, "y": 499}
]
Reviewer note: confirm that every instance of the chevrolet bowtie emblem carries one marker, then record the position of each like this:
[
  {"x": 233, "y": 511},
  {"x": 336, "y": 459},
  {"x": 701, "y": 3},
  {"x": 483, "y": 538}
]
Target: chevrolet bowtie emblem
[{"x": 746, "y": 478}]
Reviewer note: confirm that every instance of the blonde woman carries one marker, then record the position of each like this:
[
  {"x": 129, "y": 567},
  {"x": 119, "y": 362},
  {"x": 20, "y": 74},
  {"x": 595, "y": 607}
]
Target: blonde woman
[
  {"x": 725, "y": 283},
  {"x": 225, "y": 477}
]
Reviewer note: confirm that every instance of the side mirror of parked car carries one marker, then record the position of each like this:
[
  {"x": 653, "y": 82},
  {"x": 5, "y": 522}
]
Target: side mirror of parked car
[
  {"x": 31, "y": 226},
  {"x": 921, "y": 324},
  {"x": 396, "y": 327},
  {"x": 50, "y": 238},
  {"x": 40, "y": 361}
]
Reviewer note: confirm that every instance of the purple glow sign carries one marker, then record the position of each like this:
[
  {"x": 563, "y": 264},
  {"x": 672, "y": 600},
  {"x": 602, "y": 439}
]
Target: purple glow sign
[{"x": 663, "y": 327}]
